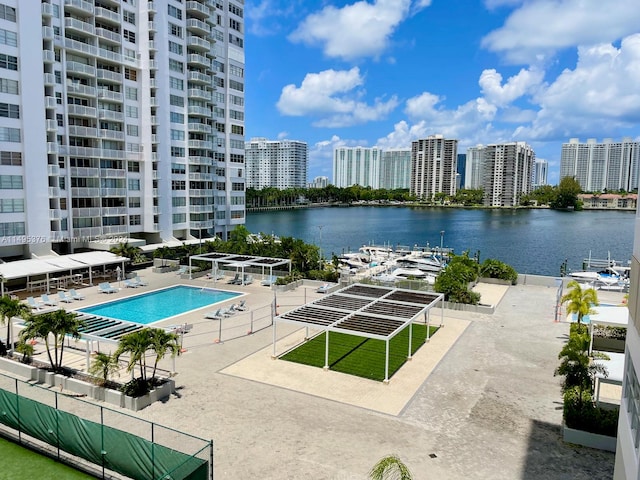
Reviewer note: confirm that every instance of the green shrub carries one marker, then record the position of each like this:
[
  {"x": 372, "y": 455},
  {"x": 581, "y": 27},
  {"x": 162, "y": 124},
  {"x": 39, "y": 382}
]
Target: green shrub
[
  {"x": 492, "y": 268},
  {"x": 453, "y": 280},
  {"x": 136, "y": 387},
  {"x": 583, "y": 414}
]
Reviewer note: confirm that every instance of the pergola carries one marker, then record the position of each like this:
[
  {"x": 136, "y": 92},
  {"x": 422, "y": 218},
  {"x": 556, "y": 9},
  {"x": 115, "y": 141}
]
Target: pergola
[
  {"x": 240, "y": 262},
  {"x": 366, "y": 311}
]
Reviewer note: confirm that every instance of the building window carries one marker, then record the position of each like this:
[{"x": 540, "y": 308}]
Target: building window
[
  {"x": 11, "y": 205},
  {"x": 134, "y": 202},
  {"x": 133, "y": 166},
  {"x": 7, "y": 110},
  {"x": 178, "y": 168},
  {"x": 175, "y": 117},
  {"x": 176, "y": 101},
  {"x": 237, "y": 129},
  {"x": 8, "y": 61},
  {"x": 135, "y": 220},
  {"x": 178, "y": 185},
  {"x": 237, "y": 187},
  {"x": 179, "y": 217},
  {"x": 176, "y": 83},
  {"x": 8, "y": 86},
  {"x": 175, "y": 30},
  {"x": 9, "y": 134},
  {"x": 129, "y": 35},
  {"x": 176, "y": 66},
  {"x": 236, "y": 10},
  {"x": 132, "y": 130},
  {"x": 177, "y": 152},
  {"x": 236, "y": 115},
  {"x": 129, "y": 17},
  {"x": 175, "y": 12},
  {"x": 11, "y": 182},
  {"x": 178, "y": 201},
  {"x": 134, "y": 184},
  {"x": 130, "y": 74},
  {"x": 237, "y": 71},
  {"x": 177, "y": 134},
  {"x": 236, "y": 85},
  {"x": 235, "y": 25},
  {"x": 11, "y": 158},
  {"x": 11, "y": 229},
  {"x": 175, "y": 47},
  {"x": 132, "y": 112},
  {"x": 7, "y": 13},
  {"x": 8, "y": 38},
  {"x": 131, "y": 93}
]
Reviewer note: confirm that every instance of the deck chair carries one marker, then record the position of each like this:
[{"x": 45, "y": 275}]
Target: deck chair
[
  {"x": 247, "y": 280},
  {"x": 64, "y": 298},
  {"x": 217, "y": 315},
  {"x": 130, "y": 283},
  {"x": 47, "y": 301},
  {"x": 75, "y": 295},
  {"x": 105, "y": 287},
  {"x": 242, "y": 306},
  {"x": 141, "y": 282},
  {"x": 235, "y": 280},
  {"x": 34, "y": 304}
]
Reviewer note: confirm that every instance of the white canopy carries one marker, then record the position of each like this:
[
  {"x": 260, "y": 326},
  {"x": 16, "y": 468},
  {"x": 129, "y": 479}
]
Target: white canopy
[
  {"x": 610, "y": 316},
  {"x": 54, "y": 264}
]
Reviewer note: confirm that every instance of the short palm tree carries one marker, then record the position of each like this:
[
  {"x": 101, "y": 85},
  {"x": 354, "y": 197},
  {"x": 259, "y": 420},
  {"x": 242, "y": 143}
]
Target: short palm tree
[
  {"x": 390, "y": 468},
  {"x": 579, "y": 300},
  {"x": 58, "y": 324},
  {"x": 135, "y": 344},
  {"x": 163, "y": 342},
  {"x": 104, "y": 365},
  {"x": 9, "y": 308}
]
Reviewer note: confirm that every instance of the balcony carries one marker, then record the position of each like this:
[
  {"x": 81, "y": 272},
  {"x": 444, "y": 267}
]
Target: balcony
[
  {"x": 198, "y": 77},
  {"x": 152, "y": 26},
  {"x": 81, "y": 68},
  {"x": 47, "y": 55},
  {"x": 79, "y": 6},
  {"x": 111, "y": 134},
  {"x": 113, "y": 192},
  {"x": 199, "y": 127},
  {"x": 199, "y": 111},
  {"x": 197, "y": 176},
  {"x": 200, "y": 192},
  {"x": 197, "y": 9},
  {"x": 79, "y": 26},
  {"x": 199, "y": 61},
  {"x": 49, "y": 79},
  {"x": 112, "y": 173},
  {"x": 105, "y": 14},
  {"x": 81, "y": 47},
  {"x": 80, "y": 151},
  {"x": 108, "y": 75},
  {"x": 53, "y": 170},
  {"x": 52, "y": 126},
  {"x": 200, "y": 144},
  {"x": 197, "y": 43},
  {"x": 52, "y": 147},
  {"x": 153, "y": 101},
  {"x": 54, "y": 192},
  {"x": 80, "y": 131},
  {"x": 115, "y": 229},
  {"x": 201, "y": 208},
  {"x": 86, "y": 212},
  {"x": 47, "y": 10},
  {"x": 198, "y": 27},
  {"x": 114, "y": 211},
  {"x": 81, "y": 111},
  {"x": 110, "y": 95},
  {"x": 50, "y": 102},
  {"x": 199, "y": 160},
  {"x": 109, "y": 35},
  {"x": 110, "y": 115},
  {"x": 83, "y": 171},
  {"x": 80, "y": 89},
  {"x": 199, "y": 93},
  {"x": 201, "y": 225},
  {"x": 111, "y": 56}
]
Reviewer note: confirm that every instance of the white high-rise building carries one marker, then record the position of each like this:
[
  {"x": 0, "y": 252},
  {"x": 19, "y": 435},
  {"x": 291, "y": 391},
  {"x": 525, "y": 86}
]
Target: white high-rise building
[
  {"x": 357, "y": 166},
  {"x": 119, "y": 118},
  {"x": 473, "y": 167},
  {"x": 395, "y": 169},
  {"x": 433, "y": 166},
  {"x": 540, "y": 173},
  {"x": 507, "y": 172},
  {"x": 318, "y": 182},
  {"x": 598, "y": 166},
  {"x": 280, "y": 164}
]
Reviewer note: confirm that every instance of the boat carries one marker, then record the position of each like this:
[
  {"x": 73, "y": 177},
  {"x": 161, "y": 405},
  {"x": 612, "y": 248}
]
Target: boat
[{"x": 609, "y": 278}]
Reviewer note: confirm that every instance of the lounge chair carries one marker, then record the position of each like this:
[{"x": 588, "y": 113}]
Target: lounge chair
[
  {"x": 268, "y": 281},
  {"x": 47, "y": 301},
  {"x": 247, "y": 280},
  {"x": 34, "y": 304},
  {"x": 182, "y": 270},
  {"x": 217, "y": 315},
  {"x": 105, "y": 287},
  {"x": 242, "y": 306},
  {"x": 324, "y": 288},
  {"x": 130, "y": 283},
  {"x": 237, "y": 280},
  {"x": 64, "y": 298},
  {"x": 75, "y": 295},
  {"x": 141, "y": 282},
  {"x": 227, "y": 312}
]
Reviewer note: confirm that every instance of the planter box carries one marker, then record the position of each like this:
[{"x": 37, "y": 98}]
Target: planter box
[
  {"x": 113, "y": 397},
  {"x": 495, "y": 281},
  {"x": 20, "y": 369},
  {"x": 586, "y": 439},
  {"x": 608, "y": 344}
]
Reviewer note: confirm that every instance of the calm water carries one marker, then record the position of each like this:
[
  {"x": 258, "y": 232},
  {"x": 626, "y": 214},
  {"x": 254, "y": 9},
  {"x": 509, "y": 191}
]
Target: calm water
[
  {"x": 532, "y": 241},
  {"x": 160, "y": 304}
]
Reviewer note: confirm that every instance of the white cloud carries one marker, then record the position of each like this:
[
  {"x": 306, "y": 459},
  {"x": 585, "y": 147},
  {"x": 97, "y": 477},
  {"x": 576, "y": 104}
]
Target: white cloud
[
  {"x": 539, "y": 28},
  {"x": 601, "y": 94},
  {"x": 283, "y": 135},
  {"x": 493, "y": 4},
  {"x": 334, "y": 96},
  {"x": 354, "y": 31},
  {"x": 515, "y": 87}
]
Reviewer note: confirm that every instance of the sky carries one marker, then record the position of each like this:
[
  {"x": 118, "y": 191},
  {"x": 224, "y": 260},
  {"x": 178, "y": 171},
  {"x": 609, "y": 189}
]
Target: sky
[{"x": 386, "y": 72}]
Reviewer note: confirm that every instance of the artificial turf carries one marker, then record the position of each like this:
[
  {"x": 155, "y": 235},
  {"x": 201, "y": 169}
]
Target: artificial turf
[
  {"x": 363, "y": 357},
  {"x": 19, "y": 463}
]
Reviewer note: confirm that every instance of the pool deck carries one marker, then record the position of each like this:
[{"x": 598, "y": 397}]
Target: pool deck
[{"x": 478, "y": 401}]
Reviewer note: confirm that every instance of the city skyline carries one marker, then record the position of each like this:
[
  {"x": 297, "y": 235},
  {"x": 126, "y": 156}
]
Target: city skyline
[{"x": 482, "y": 72}]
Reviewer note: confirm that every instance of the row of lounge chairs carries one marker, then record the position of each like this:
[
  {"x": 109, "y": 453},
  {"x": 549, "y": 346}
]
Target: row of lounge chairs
[
  {"x": 241, "y": 280},
  {"x": 45, "y": 301},
  {"x": 221, "y": 313},
  {"x": 135, "y": 282}
]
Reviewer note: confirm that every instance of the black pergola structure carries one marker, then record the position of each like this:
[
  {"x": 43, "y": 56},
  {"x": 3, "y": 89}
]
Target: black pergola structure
[
  {"x": 367, "y": 311},
  {"x": 240, "y": 262}
]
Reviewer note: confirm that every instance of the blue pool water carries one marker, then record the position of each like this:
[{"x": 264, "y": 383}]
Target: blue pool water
[
  {"x": 160, "y": 304},
  {"x": 586, "y": 319}
]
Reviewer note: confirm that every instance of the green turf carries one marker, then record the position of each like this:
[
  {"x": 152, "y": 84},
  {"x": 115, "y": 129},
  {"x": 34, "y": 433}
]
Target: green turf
[
  {"x": 363, "y": 357},
  {"x": 19, "y": 463}
]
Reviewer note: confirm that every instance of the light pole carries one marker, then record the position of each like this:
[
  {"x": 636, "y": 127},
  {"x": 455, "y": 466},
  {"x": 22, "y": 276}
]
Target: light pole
[{"x": 441, "y": 241}]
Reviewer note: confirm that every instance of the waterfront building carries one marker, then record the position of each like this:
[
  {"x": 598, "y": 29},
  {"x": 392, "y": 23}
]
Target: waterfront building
[
  {"x": 506, "y": 173},
  {"x": 395, "y": 169},
  {"x": 461, "y": 166},
  {"x": 279, "y": 164},
  {"x": 433, "y": 166},
  {"x": 122, "y": 119},
  {"x": 319, "y": 182},
  {"x": 473, "y": 167},
  {"x": 540, "y": 173},
  {"x": 609, "y": 165},
  {"x": 356, "y": 166},
  {"x": 608, "y": 201}
]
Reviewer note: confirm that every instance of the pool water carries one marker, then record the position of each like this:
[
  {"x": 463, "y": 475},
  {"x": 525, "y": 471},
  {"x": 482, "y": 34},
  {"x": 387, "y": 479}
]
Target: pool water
[{"x": 160, "y": 304}]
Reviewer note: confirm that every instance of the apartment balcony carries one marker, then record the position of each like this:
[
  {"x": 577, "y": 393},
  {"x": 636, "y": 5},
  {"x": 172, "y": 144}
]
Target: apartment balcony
[
  {"x": 199, "y": 128},
  {"x": 112, "y": 173},
  {"x": 199, "y": 61},
  {"x": 88, "y": 232},
  {"x": 109, "y": 35},
  {"x": 111, "y": 134},
  {"x": 108, "y": 15},
  {"x": 54, "y": 192},
  {"x": 198, "y": 77},
  {"x": 79, "y": 89},
  {"x": 82, "y": 111},
  {"x": 110, "y": 95},
  {"x": 47, "y": 33},
  {"x": 108, "y": 75},
  {"x": 201, "y": 225},
  {"x": 199, "y": 160},
  {"x": 198, "y": 27},
  {"x": 52, "y": 147},
  {"x": 80, "y": 47},
  {"x": 50, "y": 102},
  {"x": 153, "y": 83},
  {"x": 153, "y": 46},
  {"x": 79, "y": 7},
  {"x": 200, "y": 192},
  {"x": 52, "y": 126},
  {"x": 197, "y": 9},
  {"x": 113, "y": 192},
  {"x": 111, "y": 211},
  {"x": 201, "y": 209},
  {"x": 85, "y": 192},
  {"x": 154, "y": 138},
  {"x": 83, "y": 171},
  {"x": 153, "y": 65},
  {"x": 198, "y": 176},
  {"x": 111, "y": 56},
  {"x": 74, "y": 24},
  {"x": 152, "y": 26},
  {"x": 47, "y": 55},
  {"x": 116, "y": 229},
  {"x": 199, "y": 111},
  {"x": 154, "y": 120},
  {"x": 55, "y": 214},
  {"x": 49, "y": 80},
  {"x": 81, "y": 69},
  {"x": 110, "y": 115},
  {"x": 151, "y": 6},
  {"x": 47, "y": 10},
  {"x": 153, "y": 101},
  {"x": 197, "y": 43},
  {"x": 86, "y": 212},
  {"x": 53, "y": 170},
  {"x": 80, "y": 151},
  {"x": 199, "y": 93},
  {"x": 200, "y": 144},
  {"x": 80, "y": 131}
]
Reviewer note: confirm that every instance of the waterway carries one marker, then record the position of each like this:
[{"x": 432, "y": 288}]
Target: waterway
[{"x": 535, "y": 241}]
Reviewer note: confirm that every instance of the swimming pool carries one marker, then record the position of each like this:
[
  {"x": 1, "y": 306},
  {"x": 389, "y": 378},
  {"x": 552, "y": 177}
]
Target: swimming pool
[{"x": 160, "y": 304}]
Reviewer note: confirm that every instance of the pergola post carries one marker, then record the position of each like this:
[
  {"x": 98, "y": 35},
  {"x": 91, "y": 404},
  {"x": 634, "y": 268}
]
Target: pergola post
[
  {"x": 386, "y": 362},
  {"x": 442, "y": 311},
  {"x": 410, "y": 339},
  {"x": 326, "y": 350},
  {"x": 428, "y": 326},
  {"x": 190, "y": 270},
  {"x": 87, "y": 345},
  {"x": 273, "y": 356}
]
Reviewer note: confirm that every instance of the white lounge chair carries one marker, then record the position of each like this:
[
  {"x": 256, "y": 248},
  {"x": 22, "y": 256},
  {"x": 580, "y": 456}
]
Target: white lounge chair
[
  {"x": 141, "y": 282},
  {"x": 237, "y": 280},
  {"x": 34, "y": 304},
  {"x": 242, "y": 306},
  {"x": 47, "y": 301},
  {"x": 324, "y": 288},
  {"x": 217, "y": 315},
  {"x": 106, "y": 288},
  {"x": 64, "y": 298},
  {"x": 130, "y": 283},
  {"x": 268, "y": 281},
  {"x": 247, "y": 280},
  {"x": 75, "y": 295}
]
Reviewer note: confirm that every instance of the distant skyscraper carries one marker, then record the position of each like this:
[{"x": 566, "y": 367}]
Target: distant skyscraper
[
  {"x": 597, "y": 166},
  {"x": 540, "y": 171},
  {"x": 319, "y": 182},
  {"x": 280, "y": 164},
  {"x": 395, "y": 169},
  {"x": 433, "y": 166},
  {"x": 507, "y": 171},
  {"x": 473, "y": 167},
  {"x": 357, "y": 166}
]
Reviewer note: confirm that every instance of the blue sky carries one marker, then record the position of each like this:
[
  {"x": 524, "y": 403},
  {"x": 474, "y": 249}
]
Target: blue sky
[{"x": 386, "y": 72}]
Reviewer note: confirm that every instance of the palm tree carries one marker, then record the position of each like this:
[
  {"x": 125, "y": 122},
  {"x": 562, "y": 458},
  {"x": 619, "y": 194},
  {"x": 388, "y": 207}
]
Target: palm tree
[
  {"x": 391, "y": 468},
  {"x": 59, "y": 323},
  {"x": 104, "y": 365},
  {"x": 579, "y": 301},
  {"x": 163, "y": 342},
  {"x": 135, "y": 344},
  {"x": 9, "y": 308}
]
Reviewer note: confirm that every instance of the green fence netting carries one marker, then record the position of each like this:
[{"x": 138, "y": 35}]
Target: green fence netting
[{"x": 100, "y": 444}]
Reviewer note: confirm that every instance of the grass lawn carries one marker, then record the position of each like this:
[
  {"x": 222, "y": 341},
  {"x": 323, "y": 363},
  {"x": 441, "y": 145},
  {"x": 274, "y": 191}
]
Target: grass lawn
[
  {"x": 363, "y": 357},
  {"x": 19, "y": 463}
]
